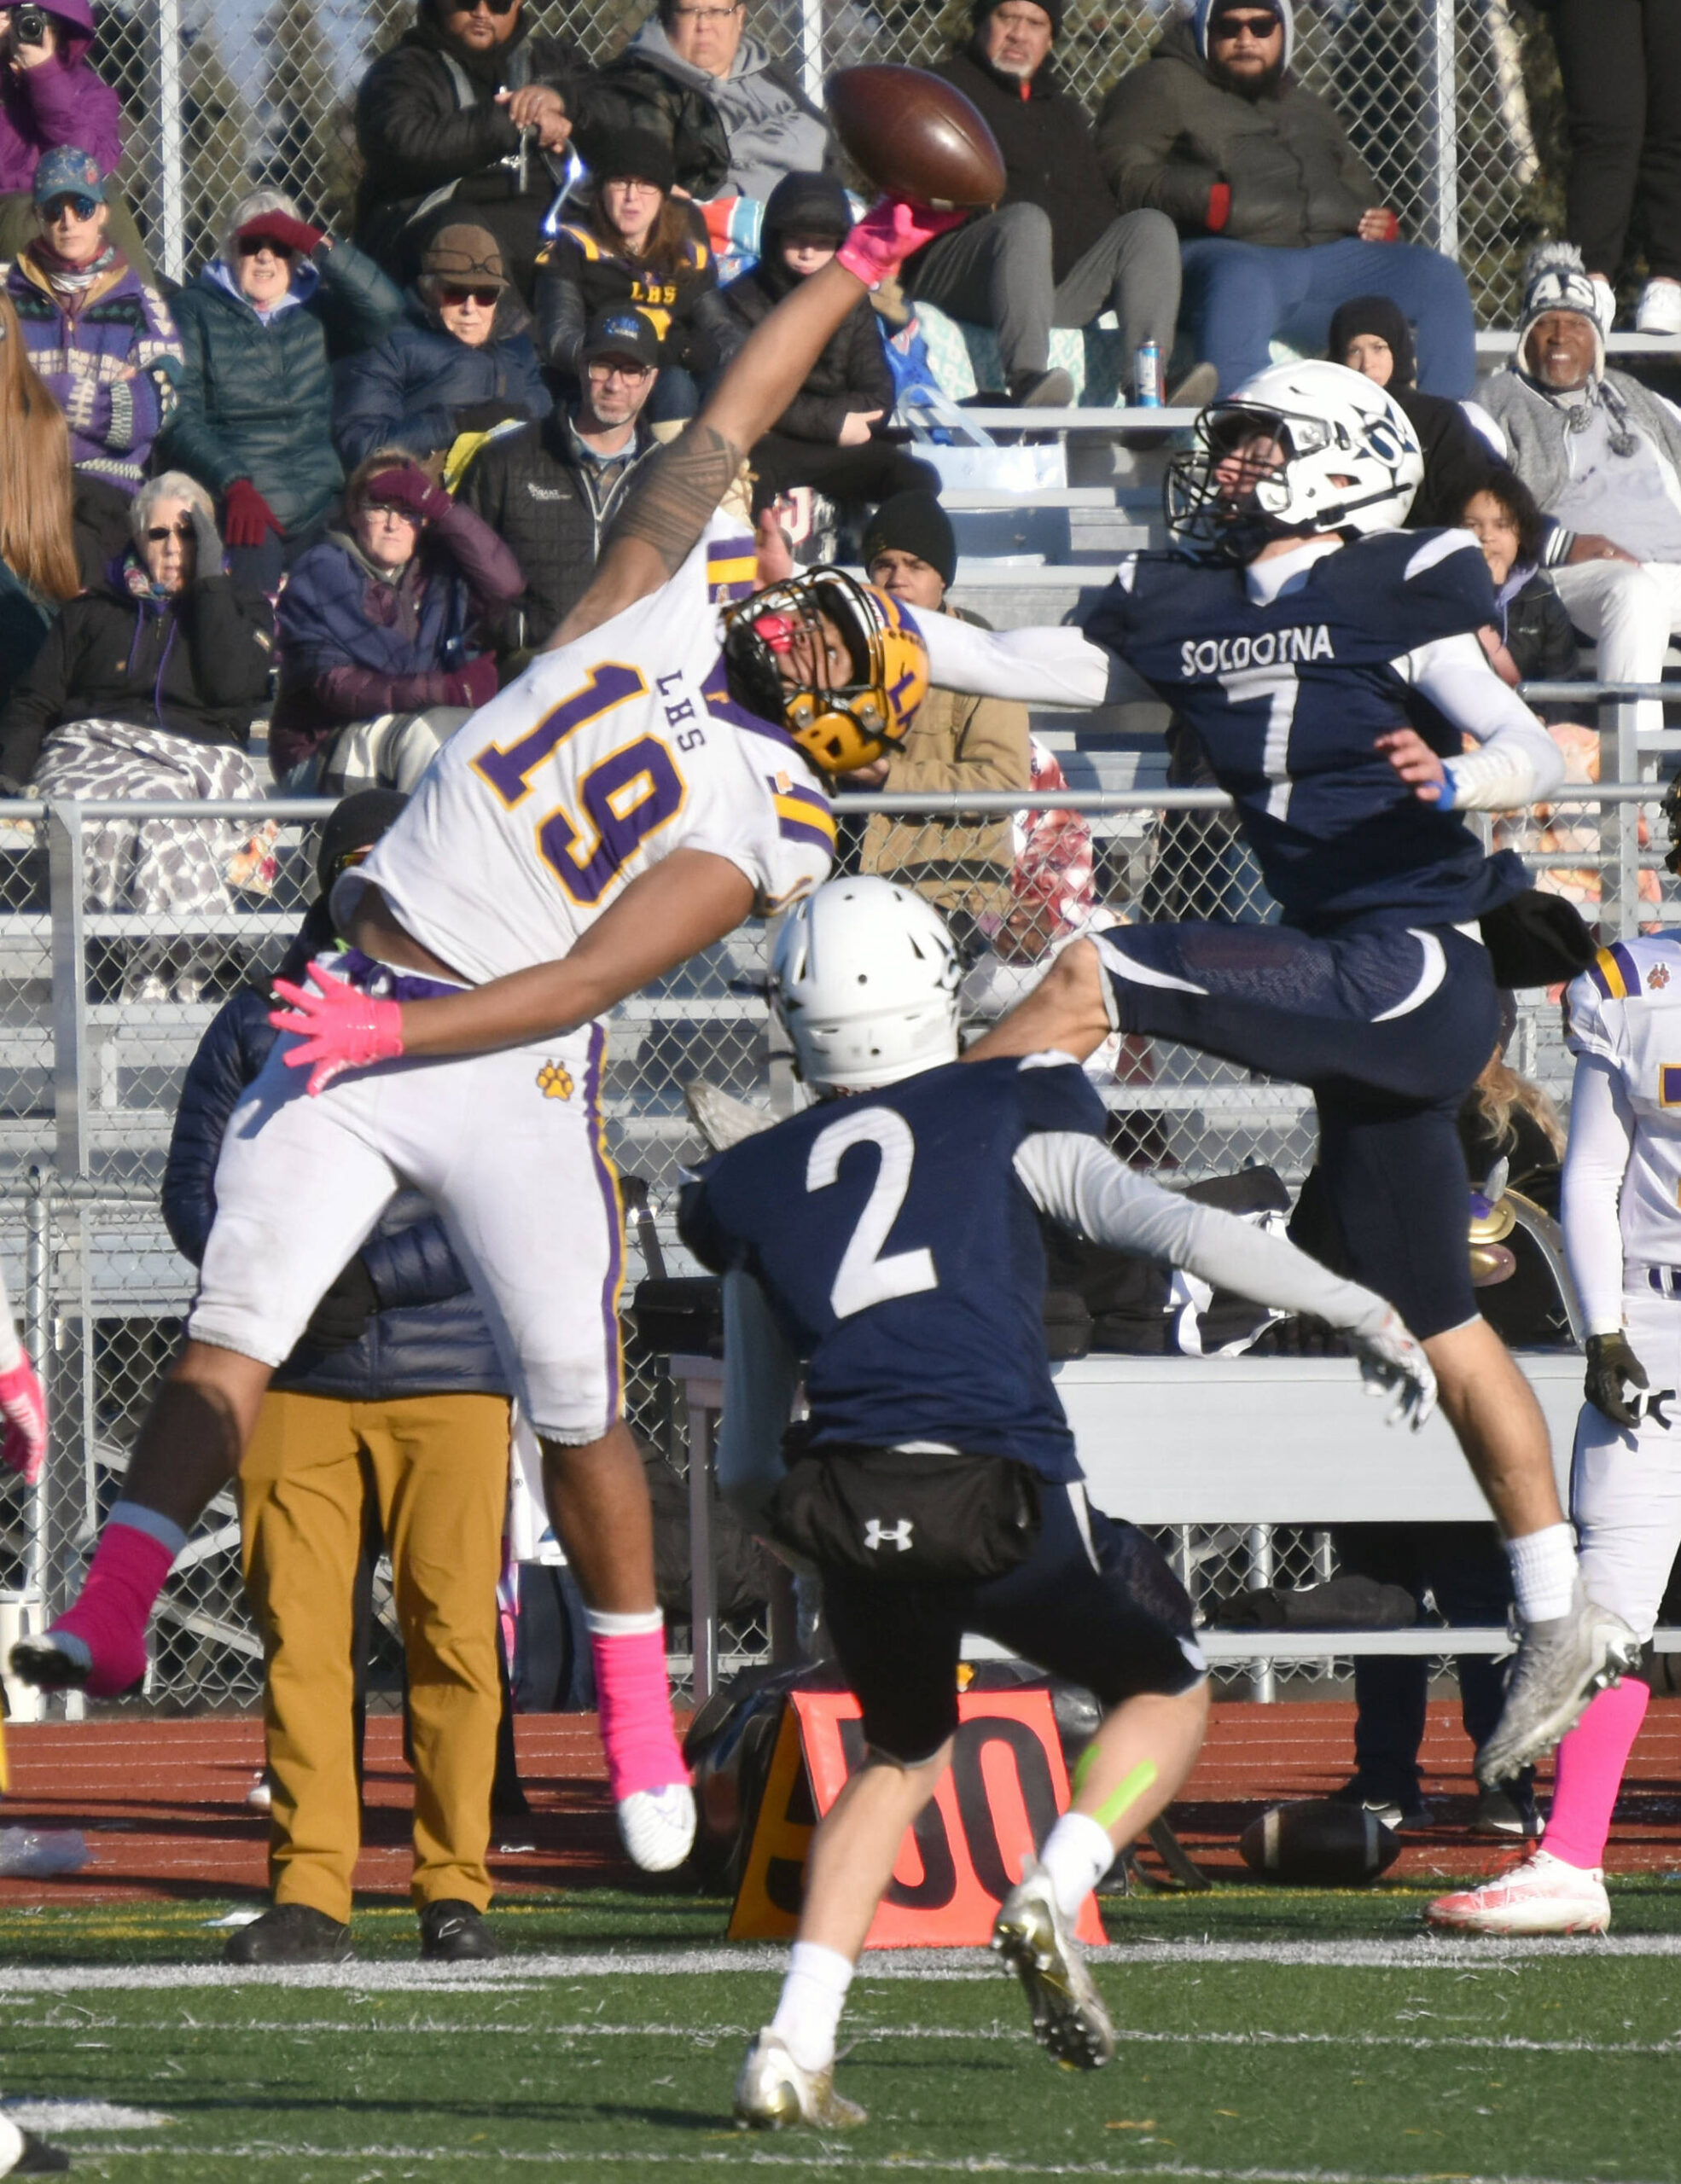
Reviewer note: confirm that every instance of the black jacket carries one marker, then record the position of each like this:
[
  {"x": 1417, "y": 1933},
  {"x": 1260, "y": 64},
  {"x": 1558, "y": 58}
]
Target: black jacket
[
  {"x": 426, "y": 117},
  {"x": 1458, "y": 461},
  {"x": 537, "y": 489},
  {"x": 1538, "y": 635},
  {"x": 851, "y": 373},
  {"x": 1049, "y": 153},
  {"x": 427, "y": 1335},
  {"x": 198, "y": 666}
]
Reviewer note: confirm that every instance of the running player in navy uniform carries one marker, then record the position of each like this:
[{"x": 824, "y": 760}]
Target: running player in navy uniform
[
  {"x": 889, "y": 1239},
  {"x": 1328, "y": 661}
]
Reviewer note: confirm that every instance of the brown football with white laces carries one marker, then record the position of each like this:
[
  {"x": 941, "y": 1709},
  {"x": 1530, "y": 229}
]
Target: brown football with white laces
[
  {"x": 915, "y": 136},
  {"x": 1320, "y": 1843}
]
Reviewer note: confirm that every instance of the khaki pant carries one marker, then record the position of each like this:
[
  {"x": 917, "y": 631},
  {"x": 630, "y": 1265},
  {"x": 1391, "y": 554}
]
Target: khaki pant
[{"x": 437, "y": 1468}]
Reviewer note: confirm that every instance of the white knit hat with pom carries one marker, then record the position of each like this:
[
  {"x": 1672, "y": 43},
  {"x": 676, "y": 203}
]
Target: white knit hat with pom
[{"x": 1555, "y": 279}]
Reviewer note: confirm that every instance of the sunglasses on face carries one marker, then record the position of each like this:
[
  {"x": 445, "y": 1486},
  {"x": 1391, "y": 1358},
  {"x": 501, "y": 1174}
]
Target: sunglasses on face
[
  {"x": 1259, "y": 27},
  {"x": 486, "y": 298},
  {"x": 254, "y": 246},
  {"x": 77, "y": 208},
  {"x": 486, "y": 8},
  {"x": 181, "y": 528}
]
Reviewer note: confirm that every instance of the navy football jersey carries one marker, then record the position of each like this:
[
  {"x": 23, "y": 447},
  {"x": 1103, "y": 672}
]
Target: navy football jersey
[
  {"x": 1289, "y": 700},
  {"x": 900, "y": 1253}
]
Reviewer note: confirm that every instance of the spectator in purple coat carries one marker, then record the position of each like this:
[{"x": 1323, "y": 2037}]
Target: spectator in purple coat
[
  {"x": 51, "y": 93},
  {"x": 381, "y": 656}
]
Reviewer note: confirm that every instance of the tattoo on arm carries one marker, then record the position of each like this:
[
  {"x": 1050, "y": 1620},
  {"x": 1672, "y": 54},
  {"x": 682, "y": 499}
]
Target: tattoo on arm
[{"x": 671, "y": 508}]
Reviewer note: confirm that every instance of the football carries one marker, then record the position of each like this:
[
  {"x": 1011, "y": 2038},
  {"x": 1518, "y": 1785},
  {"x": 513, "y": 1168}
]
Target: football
[
  {"x": 1320, "y": 1843},
  {"x": 918, "y": 136}
]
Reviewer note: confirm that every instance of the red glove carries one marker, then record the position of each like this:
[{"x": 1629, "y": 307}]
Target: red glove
[
  {"x": 24, "y": 1448},
  {"x": 281, "y": 227},
  {"x": 246, "y": 515},
  {"x": 1390, "y": 231},
  {"x": 475, "y": 684},
  {"x": 338, "y": 1027},
  {"x": 410, "y": 489},
  {"x": 890, "y": 232},
  {"x": 1219, "y": 206}
]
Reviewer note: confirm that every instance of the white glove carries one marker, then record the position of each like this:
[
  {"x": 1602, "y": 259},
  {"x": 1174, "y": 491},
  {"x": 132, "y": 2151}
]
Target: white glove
[{"x": 1392, "y": 1358}]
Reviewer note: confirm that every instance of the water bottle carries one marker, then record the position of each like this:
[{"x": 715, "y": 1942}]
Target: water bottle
[
  {"x": 33, "y": 1854},
  {"x": 1147, "y": 375}
]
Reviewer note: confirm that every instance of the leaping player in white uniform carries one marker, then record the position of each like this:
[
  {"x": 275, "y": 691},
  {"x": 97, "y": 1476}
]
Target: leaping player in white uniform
[
  {"x": 615, "y": 810},
  {"x": 1622, "y": 1211}
]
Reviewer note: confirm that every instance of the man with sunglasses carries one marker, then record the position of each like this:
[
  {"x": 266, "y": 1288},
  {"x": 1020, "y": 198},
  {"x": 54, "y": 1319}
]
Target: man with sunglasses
[
  {"x": 653, "y": 778},
  {"x": 467, "y": 118},
  {"x": 1279, "y": 219}
]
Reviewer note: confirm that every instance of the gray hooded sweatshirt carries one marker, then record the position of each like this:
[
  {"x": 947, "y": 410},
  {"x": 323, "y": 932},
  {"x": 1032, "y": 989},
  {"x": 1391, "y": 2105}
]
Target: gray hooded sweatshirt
[{"x": 772, "y": 129}]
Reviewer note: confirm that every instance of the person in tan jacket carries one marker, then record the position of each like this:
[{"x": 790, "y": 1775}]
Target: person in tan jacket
[{"x": 955, "y": 743}]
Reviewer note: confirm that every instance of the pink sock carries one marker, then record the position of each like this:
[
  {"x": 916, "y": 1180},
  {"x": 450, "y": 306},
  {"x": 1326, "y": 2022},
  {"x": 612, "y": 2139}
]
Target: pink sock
[
  {"x": 635, "y": 1701},
  {"x": 114, "y": 1605},
  {"x": 1588, "y": 1772}
]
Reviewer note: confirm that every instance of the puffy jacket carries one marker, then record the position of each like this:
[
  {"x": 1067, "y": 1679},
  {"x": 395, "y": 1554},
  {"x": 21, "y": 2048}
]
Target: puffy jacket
[
  {"x": 256, "y": 400},
  {"x": 1536, "y": 627},
  {"x": 578, "y": 276},
  {"x": 429, "y": 1335},
  {"x": 539, "y": 491},
  {"x": 63, "y": 102},
  {"x": 427, "y": 122},
  {"x": 851, "y": 373},
  {"x": 1050, "y": 159},
  {"x": 1169, "y": 130},
  {"x": 355, "y": 643},
  {"x": 118, "y": 321},
  {"x": 407, "y": 392},
  {"x": 196, "y": 665},
  {"x": 731, "y": 136}
]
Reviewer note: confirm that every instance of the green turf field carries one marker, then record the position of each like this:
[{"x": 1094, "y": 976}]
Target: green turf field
[{"x": 1266, "y": 2035}]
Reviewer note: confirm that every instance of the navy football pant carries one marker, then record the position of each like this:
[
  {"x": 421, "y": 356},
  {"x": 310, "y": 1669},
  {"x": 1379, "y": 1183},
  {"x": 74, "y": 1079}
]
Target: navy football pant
[{"x": 1390, "y": 1029}]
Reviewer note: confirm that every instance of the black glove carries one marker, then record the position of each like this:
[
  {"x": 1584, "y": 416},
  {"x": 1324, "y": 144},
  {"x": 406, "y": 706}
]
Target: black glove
[
  {"x": 486, "y": 416},
  {"x": 1611, "y": 1362},
  {"x": 342, "y": 1315}
]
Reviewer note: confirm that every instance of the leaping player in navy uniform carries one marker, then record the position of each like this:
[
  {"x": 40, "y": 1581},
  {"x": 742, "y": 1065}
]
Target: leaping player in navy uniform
[
  {"x": 889, "y": 1238},
  {"x": 1327, "y": 662}
]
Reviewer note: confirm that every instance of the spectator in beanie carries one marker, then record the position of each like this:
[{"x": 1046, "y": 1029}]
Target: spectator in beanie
[
  {"x": 259, "y": 328},
  {"x": 825, "y": 437},
  {"x": 735, "y": 119},
  {"x": 955, "y": 743},
  {"x": 380, "y": 656},
  {"x": 462, "y": 361},
  {"x": 104, "y": 341},
  {"x": 633, "y": 244},
  {"x": 1279, "y": 219},
  {"x": 467, "y": 118},
  {"x": 1058, "y": 251},
  {"x": 550, "y": 489},
  {"x": 1371, "y": 336}
]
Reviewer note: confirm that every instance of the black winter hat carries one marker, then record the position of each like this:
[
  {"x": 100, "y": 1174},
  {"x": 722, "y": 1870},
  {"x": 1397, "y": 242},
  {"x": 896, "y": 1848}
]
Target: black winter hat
[
  {"x": 808, "y": 205},
  {"x": 983, "y": 9},
  {"x": 1383, "y": 317},
  {"x": 355, "y": 824},
  {"x": 916, "y": 524},
  {"x": 639, "y": 154}
]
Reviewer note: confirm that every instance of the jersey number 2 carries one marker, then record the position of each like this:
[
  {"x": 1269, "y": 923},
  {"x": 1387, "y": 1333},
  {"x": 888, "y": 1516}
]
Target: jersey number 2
[
  {"x": 863, "y": 1277},
  {"x": 624, "y": 797}
]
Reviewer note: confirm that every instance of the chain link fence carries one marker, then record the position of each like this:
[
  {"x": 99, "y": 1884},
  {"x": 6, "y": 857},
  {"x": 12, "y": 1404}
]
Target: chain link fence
[
  {"x": 1452, "y": 102},
  {"x": 104, "y": 1008}
]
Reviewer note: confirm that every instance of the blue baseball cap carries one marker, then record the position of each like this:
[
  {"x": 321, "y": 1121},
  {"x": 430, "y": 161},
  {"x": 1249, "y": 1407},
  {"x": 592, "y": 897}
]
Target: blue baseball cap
[{"x": 68, "y": 171}]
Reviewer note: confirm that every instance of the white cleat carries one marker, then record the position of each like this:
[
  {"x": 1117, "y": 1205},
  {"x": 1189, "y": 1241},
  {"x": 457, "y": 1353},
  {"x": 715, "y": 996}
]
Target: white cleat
[
  {"x": 657, "y": 1827},
  {"x": 773, "y": 2092},
  {"x": 1659, "y": 309},
  {"x": 1069, "y": 2019},
  {"x": 1560, "y": 1664},
  {"x": 721, "y": 1118},
  {"x": 1538, "y": 1895}
]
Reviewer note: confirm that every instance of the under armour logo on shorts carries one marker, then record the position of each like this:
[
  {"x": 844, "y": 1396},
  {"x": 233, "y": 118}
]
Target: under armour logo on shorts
[
  {"x": 876, "y": 1535},
  {"x": 554, "y": 1081}
]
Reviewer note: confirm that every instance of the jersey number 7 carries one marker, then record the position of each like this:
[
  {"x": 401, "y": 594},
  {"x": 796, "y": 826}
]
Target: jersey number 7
[
  {"x": 863, "y": 1277},
  {"x": 624, "y": 797}
]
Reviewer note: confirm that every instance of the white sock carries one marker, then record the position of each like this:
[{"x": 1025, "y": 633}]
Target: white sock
[
  {"x": 139, "y": 1519},
  {"x": 602, "y": 1622},
  {"x": 1076, "y": 1854},
  {"x": 814, "y": 1994},
  {"x": 1543, "y": 1572}
]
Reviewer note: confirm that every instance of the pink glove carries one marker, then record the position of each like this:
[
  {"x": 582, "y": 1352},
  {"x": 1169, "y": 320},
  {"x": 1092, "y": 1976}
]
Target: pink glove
[
  {"x": 410, "y": 489},
  {"x": 889, "y": 232},
  {"x": 246, "y": 517},
  {"x": 24, "y": 1450},
  {"x": 339, "y": 1027}
]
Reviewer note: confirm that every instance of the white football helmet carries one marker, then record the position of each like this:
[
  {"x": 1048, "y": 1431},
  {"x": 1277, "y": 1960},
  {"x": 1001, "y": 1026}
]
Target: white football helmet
[
  {"x": 864, "y": 976},
  {"x": 1350, "y": 462}
]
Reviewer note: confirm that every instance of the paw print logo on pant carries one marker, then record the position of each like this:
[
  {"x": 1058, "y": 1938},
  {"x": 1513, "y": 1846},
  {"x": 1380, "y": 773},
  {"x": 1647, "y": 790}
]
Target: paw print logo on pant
[{"x": 554, "y": 1081}]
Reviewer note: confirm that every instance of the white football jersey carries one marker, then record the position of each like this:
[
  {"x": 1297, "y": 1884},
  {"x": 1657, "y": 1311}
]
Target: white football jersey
[
  {"x": 598, "y": 762},
  {"x": 1625, "y": 1008}
]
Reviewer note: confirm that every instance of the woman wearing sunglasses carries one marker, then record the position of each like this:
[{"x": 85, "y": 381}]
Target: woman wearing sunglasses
[
  {"x": 261, "y": 327},
  {"x": 146, "y": 687},
  {"x": 633, "y": 245},
  {"x": 461, "y": 361}
]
